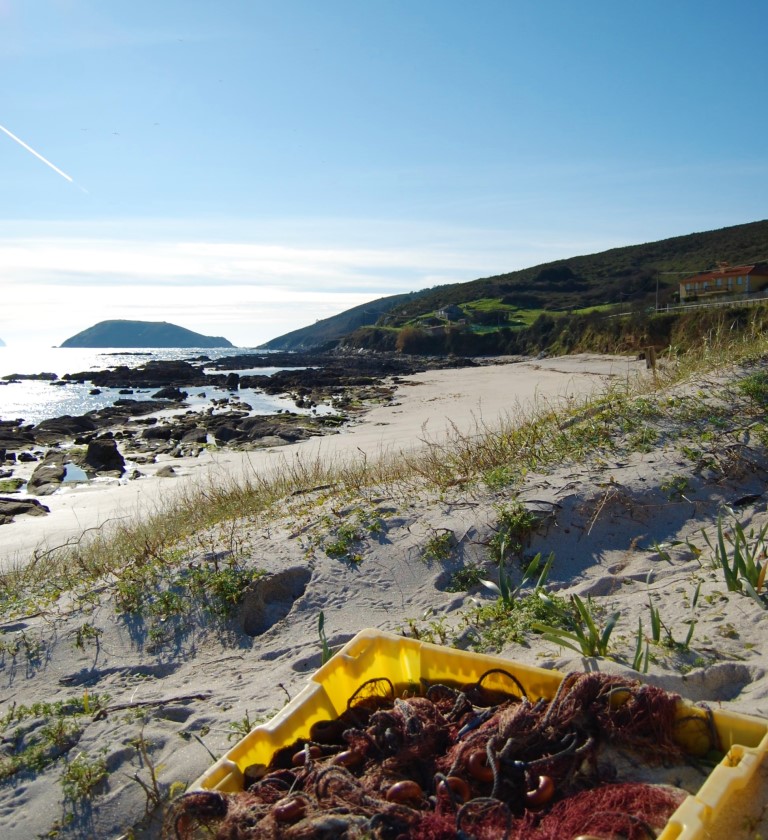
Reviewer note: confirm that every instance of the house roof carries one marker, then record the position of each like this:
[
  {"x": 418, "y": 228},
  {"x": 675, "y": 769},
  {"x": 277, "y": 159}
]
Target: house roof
[{"x": 729, "y": 271}]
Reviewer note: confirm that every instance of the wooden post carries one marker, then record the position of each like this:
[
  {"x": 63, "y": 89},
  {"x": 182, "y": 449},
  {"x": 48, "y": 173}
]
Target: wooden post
[{"x": 650, "y": 358}]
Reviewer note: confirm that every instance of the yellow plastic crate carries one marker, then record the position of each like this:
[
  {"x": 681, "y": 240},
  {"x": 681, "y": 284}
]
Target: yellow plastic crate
[{"x": 406, "y": 662}]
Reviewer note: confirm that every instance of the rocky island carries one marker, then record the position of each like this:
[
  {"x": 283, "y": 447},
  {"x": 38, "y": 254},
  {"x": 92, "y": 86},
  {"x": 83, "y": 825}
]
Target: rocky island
[{"x": 120, "y": 333}]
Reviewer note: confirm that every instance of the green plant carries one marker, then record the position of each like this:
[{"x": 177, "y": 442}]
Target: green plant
[
  {"x": 505, "y": 588},
  {"x": 655, "y": 621},
  {"x": 755, "y": 386},
  {"x": 166, "y": 604},
  {"x": 675, "y": 487},
  {"x": 640, "y": 659},
  {"x": 741, "y": 556},
  {"x": 325, "y": 651},
  {"x": 339, "y": 546},
  {"x": 491, "y": 626},
  {"x": 435, "y": 631},
  {"x": 515, "y": 525},
  {"x": 158, "y": 635},
  {"x": 500, "y": 477},
  {"x": 82, "y": 775},
  {"x": 643, "y": 440},
  {"x": 152, "y": 789},
  {"x": 585, "y": 637},
  {"x": 61, "y": 732},
  {"x": 464, "y": 579},
  {"x": 657, "y": 624},
  {"x": 240, "y": 728},
  {"x": 87, "y": 633},
  {"x": 219, "y": 590},
  {"x": 438, "y": 547},
  {"x": 36, "y": 747}
]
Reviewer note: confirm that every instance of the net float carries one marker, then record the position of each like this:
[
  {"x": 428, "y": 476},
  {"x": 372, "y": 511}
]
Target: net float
[
  {"x": 542, "y": 793},
  {"x": 348, "y": 758},
  {"x": 455, "y": 786},
  {"x": 289, "y": 810},
  {"x": 405, "y": 791},
  {"x": 300, "y": 757},
  {"x": 478, "y": 766}
]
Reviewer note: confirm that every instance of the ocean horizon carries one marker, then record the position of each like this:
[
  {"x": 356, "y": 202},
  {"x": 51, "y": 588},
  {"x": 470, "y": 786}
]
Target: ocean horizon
[{"x": 34, "y": 400}]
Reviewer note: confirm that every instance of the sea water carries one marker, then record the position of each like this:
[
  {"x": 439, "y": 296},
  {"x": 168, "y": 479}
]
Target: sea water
[{"x": 35, "y": 400}]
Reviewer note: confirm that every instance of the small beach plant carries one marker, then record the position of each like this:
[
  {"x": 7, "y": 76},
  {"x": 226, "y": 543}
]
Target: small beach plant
[
  {"x": 238, "y": 729},
  {"x": 657, "y": 623},
  {"x": 507, "y": 591},
  {"x": 641, "y": 658},
  {"x": 741, "y": 556},
  {"x": 325, "y": 651},
  {"x": 585, "y": 637},
  {"x": 438, "y": 546},
  {"x": 82, "y": 776},
  {"x": 755, "y": 386},
  {"x": 465, "y": 578}
]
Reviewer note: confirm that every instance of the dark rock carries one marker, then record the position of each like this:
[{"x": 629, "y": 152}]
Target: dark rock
[
  {"x": 224, "y": 434},
  {"x": 232, "y": 382},
  {"x": 53, "y": 430},
  {"x": 152, "y": 374},
  {"x": 166, "y": 472},
  {"x": 196, "y": 435},
  {"x": 157, "y": 433},
  {"x": 16, "y": 507},
  {"x": 103, "y": 455},
  {"x": 15, "y": 436},
  {"x": 46, "y": 479},
  {"x": 170, "y": 393},
  {"x": 44, "y": 377},
  {"x": 48, "y": 475}
]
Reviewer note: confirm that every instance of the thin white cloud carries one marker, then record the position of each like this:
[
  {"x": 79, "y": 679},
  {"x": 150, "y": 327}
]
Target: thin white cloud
[
  {"x": 248, "y": 291},
  {"x": 232, "y": 262}
]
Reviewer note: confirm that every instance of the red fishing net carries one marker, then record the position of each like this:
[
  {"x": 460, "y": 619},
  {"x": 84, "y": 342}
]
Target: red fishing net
[{"x": 459, "y": 763}]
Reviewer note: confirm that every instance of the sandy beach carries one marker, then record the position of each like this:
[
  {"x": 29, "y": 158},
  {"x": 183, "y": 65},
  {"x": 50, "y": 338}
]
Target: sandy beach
[
  {"x": 426, "y": 405},
  {"x": 163, "y": 693}
]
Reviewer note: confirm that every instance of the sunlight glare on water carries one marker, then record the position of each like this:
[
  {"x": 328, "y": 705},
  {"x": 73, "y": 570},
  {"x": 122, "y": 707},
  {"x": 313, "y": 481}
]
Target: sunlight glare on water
[{"x": 36, "y": 400}]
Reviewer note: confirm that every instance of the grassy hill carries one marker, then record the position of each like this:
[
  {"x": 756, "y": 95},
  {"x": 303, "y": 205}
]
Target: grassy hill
[
  {"x": 614, "y": 276},
  {"x": 330, "y": 330},
  {"x": 631, "y": 277}
]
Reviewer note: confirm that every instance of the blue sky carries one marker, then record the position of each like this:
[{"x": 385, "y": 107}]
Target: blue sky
[{"x": 243, "y": 167}]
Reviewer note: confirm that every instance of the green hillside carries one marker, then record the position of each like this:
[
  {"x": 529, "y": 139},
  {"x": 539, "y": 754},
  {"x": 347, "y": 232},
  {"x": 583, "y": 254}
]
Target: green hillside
[
  {"x": 332, "y": 329},
  {"x": 616, "y": 276},
  {"x": 633, "y": 277}
]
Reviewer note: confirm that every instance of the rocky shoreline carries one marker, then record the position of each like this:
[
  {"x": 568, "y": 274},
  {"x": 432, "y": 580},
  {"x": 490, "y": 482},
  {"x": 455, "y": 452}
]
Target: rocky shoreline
[{"x": 36, "y": 459}]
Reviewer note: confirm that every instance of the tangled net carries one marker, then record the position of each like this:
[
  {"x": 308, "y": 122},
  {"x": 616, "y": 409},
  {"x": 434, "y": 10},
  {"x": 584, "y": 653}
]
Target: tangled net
[{"x": 463, "y": 763}]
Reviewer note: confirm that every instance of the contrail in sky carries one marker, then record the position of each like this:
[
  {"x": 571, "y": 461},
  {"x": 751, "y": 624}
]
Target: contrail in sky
[{"x": 36, "y": 154}]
